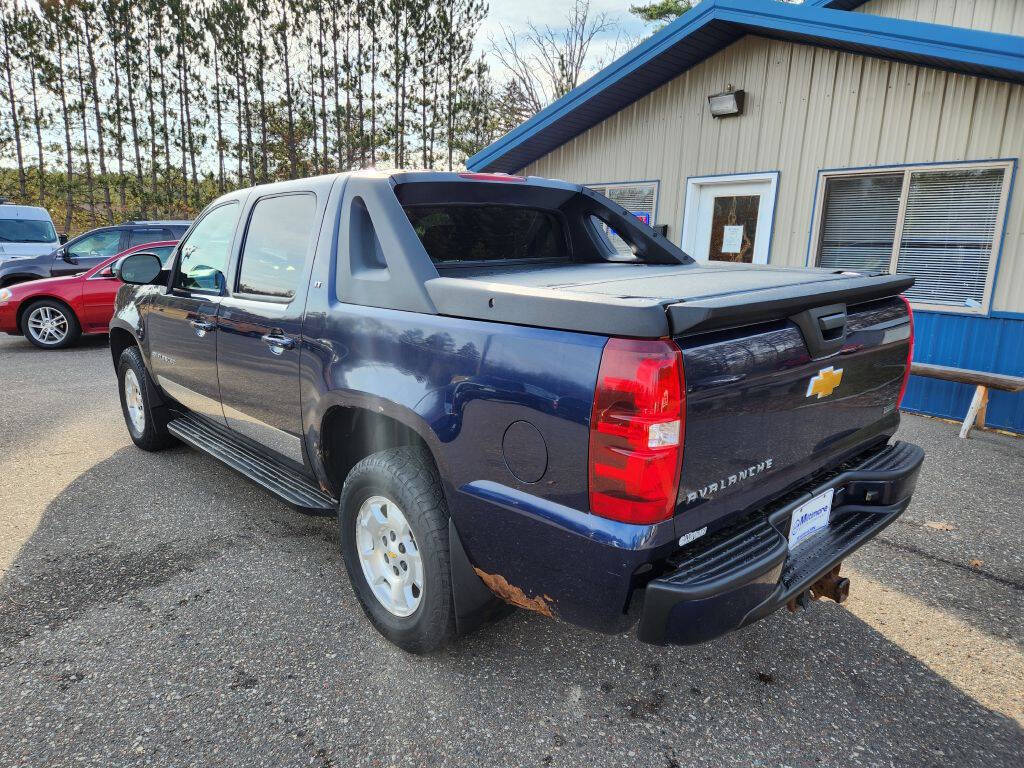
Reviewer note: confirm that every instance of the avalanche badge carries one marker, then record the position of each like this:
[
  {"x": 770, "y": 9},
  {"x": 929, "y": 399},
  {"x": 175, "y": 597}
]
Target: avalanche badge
[{"x": 825, "y": 383}]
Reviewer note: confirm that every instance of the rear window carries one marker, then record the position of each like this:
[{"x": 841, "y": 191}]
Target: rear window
[{"x": 480, "y": 233}]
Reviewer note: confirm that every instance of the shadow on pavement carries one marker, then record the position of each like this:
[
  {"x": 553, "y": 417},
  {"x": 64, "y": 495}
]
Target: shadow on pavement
[{"x": 167, "y": 610}]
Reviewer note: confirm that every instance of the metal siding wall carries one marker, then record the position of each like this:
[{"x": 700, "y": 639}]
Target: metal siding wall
[
  {"x": 980, "y": 343},
  {"x": 807, "y": 108},
  {"x": 1006, "y": 16}
]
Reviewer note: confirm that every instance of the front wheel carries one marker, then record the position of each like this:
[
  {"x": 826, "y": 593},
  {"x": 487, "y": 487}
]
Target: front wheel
[
  {"x": 393, "y": 525},
  {"x": 146, "y": 422},
  {"x": 50, "y": 324}
]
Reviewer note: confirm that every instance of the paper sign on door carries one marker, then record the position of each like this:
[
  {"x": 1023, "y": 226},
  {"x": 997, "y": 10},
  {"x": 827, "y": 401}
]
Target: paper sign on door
[{"x": 732, "y": 238}]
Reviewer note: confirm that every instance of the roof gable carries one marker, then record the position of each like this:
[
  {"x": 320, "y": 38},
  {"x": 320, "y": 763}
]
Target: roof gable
[{"x": 714, "y": 24}]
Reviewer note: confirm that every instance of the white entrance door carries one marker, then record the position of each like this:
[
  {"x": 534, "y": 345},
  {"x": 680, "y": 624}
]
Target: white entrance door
[{"x": 729, "y": 218}]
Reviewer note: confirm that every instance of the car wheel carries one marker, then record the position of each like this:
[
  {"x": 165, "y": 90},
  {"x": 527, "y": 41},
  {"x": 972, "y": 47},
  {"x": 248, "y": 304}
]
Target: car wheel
[
  {"x": 146, "y": 422},
  {"x": 50, "y": 324},
  {"x": 393, "y": 526}
]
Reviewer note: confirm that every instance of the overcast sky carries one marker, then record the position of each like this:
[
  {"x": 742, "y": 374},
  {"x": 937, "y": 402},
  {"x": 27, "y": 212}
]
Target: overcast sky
[{"x": 515, "y": 14}]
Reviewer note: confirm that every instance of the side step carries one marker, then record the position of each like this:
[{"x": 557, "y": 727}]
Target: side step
[{"x": 280, "y": 480}]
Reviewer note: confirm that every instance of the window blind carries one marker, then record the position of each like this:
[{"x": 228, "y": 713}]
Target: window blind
[
  {"x": 859, "y": 222},
  {"x": 947, "y": 238},
  {"x": 949, "y": 232}
]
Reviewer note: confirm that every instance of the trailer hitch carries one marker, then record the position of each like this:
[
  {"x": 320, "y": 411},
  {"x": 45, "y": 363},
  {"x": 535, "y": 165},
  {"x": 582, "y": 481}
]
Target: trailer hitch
[{"x": 831, "y": 585}]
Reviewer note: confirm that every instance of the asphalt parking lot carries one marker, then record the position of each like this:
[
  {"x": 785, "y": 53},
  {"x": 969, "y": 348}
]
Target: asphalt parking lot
[{"x": 161, "y": 610}]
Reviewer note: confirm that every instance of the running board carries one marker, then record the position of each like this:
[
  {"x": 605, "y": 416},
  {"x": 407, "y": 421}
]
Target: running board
[{"x": 280, "y": 480}]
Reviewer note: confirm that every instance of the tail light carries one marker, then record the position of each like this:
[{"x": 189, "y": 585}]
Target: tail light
[
  {"x": 910, "y": 353},
  {"x": 636, "y": 431},
  {"x": 490, "y": 177}
]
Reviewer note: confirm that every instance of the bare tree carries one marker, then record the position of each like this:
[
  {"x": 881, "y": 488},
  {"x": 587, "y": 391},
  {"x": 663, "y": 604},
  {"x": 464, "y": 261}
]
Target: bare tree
[{"x": 546, "y": 62}]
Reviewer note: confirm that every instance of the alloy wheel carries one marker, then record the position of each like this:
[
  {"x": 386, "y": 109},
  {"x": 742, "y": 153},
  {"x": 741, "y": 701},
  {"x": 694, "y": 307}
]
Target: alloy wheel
[{"x": 389, "y": 556}]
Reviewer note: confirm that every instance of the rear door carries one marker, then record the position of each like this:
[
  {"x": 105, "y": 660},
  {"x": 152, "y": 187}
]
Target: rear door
[
  {"x": 181, "y": 325},
  {"x": 260, "y": 323}
]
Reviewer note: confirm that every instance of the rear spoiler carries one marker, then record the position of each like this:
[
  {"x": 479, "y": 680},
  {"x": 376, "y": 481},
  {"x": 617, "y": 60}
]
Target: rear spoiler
[{"x": 750, "y": 307}]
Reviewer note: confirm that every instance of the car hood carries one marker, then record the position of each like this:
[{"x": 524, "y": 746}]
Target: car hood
[{"x": 22, "y": 250}]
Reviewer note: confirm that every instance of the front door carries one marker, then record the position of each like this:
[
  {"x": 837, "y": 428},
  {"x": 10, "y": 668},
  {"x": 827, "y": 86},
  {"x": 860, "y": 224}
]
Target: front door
[
  {"x": 84, "y": 253},
  {"x": 260, "y": 324},
  {"x": 181, "y": 325},
  {"x": 729, "y": 218}
]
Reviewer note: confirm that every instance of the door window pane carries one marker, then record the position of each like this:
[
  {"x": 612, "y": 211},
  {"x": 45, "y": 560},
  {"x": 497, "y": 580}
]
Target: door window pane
[
  {"x": 204, "y": 255},
  {"x": 859, "y": 222},
  {"x": 734, "y": 228},
  {"x": 276, "y": 244},
  {"x": 140, "y": 236},
  {"x": 97, "y": 246}
]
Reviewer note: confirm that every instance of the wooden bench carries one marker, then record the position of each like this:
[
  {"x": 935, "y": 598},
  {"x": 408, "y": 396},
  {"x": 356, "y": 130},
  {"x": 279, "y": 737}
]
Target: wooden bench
[{"x": 982, "y": 382}]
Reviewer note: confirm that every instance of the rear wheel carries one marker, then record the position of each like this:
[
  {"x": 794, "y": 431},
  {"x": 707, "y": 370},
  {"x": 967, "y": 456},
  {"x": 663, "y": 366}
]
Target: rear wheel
[
  {"x": 50, "y": 324},
  {"x": 393, "y": 524},
  {"x": 146, "y": 422}
]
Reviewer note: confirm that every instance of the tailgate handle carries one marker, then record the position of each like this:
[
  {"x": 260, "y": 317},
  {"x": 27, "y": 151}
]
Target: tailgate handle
[
  {"x": 832, "y": 325},
  {"x": 823, "y": 329}
]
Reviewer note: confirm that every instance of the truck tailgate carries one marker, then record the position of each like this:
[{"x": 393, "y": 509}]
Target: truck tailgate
[{"x": 767, "y": 406}]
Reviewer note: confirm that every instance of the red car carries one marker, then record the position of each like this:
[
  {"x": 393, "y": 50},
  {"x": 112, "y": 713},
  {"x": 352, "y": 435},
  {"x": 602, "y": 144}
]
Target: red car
[{"x": 54, "y": 312}]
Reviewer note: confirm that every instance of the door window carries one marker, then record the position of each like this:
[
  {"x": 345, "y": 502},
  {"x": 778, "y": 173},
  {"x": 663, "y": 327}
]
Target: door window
[
  {"x": 734, "y": 228},
  {"x": 276, "y": 244},
  {"x": 98, "y": 245},
  {"x": 141, "y": 236},
  {"x": 204, "y": 255}
]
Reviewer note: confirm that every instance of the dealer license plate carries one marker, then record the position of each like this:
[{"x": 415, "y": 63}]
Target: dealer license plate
[{"x": 810, "y": 518}]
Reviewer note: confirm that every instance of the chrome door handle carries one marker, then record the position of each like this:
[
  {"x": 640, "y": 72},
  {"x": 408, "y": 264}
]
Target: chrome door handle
[
  {"x": 201, "y": 327},
  {"x": 278, "y": 343}
]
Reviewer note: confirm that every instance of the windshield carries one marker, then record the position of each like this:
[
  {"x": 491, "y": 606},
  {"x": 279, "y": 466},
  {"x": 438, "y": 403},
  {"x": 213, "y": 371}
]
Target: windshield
[{"x": 26, "y": 231}]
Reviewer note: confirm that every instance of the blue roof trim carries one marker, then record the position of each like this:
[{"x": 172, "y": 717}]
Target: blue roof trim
[{"x": 714, "y": 24}]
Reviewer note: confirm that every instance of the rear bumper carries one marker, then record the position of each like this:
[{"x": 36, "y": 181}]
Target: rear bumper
[{"x": 744, "y": 574}]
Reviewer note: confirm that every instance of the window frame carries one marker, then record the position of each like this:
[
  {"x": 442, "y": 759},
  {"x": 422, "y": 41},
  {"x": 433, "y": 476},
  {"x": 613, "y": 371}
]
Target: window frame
[
  {"x": 236, "y": 278},
  {"x": 183, "y": 241},
  {"x": 600, "y": 186},
  {"x": 1008, "y": 166}
]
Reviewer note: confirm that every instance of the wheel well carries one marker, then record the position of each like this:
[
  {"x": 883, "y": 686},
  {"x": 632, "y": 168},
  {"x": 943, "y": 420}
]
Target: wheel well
[
  {"x": 120, "y": 340},
  {"x": 25, "y": 305},
  {"x": 348, "y": 435}
]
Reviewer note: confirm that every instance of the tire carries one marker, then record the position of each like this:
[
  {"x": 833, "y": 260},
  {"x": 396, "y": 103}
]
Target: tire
[
  {"x": 50, "y": 324},
  {"x": 406, "y": 481},
  {"x": 146, "y": 422}
]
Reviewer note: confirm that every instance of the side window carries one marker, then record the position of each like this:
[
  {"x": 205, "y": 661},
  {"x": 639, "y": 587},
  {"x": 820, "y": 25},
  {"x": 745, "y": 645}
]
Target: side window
[
  {"x": 276, "y": 243},
  {"x": 97, "y": 246},
  {"x": 204, "y": 255},
  {"x": 140, "y": 236}
]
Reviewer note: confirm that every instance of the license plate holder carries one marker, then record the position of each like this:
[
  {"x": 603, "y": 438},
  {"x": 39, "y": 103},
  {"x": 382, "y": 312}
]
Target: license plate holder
[{"x": 810, "y": 517}]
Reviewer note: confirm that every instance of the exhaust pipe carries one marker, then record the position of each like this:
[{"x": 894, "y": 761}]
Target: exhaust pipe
[{"x": 831, "y": 585}]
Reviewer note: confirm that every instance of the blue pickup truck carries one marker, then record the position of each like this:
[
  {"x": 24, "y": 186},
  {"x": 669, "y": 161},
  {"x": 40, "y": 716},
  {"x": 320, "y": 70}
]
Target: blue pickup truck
[{"x": 511, "y": 391}]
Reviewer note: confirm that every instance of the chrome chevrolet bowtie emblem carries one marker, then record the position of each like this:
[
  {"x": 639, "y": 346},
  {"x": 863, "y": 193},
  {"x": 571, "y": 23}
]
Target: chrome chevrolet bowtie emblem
[{"x": 825, "y": 383}]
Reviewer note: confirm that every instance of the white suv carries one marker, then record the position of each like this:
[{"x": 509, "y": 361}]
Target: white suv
[{"x": 25, "y": 231}]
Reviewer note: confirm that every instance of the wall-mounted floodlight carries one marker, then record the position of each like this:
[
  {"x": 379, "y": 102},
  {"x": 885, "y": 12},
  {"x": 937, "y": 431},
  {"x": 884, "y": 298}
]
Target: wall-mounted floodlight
[{"x": 726, "y": 104}]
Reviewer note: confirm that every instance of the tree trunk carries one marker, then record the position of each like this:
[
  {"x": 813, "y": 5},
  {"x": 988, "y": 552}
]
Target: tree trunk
[
  {"x": 15, "y": 123},
  {"x": 119, "y": 128},
  {"x": 94, "y": 83},
  {"x": 85, "y": 130},
  {"x": 220, "y": 131},
  {"x": 288, "y": 100},
  {"x": 69, "y": 203}
]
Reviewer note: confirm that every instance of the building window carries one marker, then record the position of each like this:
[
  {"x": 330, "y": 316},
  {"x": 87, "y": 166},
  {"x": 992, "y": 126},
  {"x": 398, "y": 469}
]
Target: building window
[
  {"x": 941, "y": 224},
  {"x": 639, "y": 198}
]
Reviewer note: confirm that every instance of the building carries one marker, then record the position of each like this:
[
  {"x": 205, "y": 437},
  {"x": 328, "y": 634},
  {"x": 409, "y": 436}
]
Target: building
[{"x": 878, "y": 135}]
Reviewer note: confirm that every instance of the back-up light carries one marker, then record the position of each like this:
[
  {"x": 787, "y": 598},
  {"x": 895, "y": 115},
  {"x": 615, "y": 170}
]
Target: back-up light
[
  {"x": 636, "y": 431},
  {"x": 491, "y": 177},
  {"x": 910, "y": 353}
]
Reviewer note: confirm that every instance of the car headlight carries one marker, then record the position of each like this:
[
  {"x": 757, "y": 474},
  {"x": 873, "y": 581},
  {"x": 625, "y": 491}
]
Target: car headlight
[{"x": 5, "y": 295}]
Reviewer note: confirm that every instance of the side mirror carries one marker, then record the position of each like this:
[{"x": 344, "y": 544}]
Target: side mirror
[
  {"x": 66, "y": 255},
  {"x": 138, "y": 268},
  {"x": 62, "y": 238}
]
